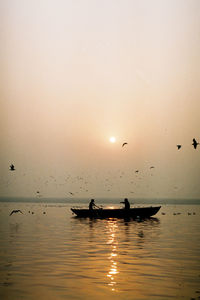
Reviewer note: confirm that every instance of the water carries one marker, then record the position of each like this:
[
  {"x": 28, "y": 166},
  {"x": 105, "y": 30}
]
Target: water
[{"x": 57, "y": 256}]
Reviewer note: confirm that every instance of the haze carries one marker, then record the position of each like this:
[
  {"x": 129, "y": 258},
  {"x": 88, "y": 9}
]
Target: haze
[{"x": 75, "y": 73}]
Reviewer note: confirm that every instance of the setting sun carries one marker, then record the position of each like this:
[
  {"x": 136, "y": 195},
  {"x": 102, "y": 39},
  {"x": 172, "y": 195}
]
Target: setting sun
[{"x": 112, "y": 139}]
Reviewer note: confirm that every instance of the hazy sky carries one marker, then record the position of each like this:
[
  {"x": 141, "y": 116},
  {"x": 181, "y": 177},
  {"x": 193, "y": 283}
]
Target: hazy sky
[{"x": 75, "y": 73}]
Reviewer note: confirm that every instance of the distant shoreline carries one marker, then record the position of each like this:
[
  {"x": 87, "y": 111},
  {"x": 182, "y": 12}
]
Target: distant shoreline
[{"x": 100, "y": 200}]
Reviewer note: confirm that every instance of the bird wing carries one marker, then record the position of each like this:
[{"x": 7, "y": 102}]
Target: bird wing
[{"x": 124, "y": 144}]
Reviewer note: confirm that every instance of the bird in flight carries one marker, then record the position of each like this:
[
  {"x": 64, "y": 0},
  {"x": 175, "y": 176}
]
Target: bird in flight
[
  {"x": 179, "y": 146},
  {"x": 124, "y": 144},
  {"x": 195, "y": 143},
  {"x": 16, "y": 211},
  {"x": 12, "y": 167}
]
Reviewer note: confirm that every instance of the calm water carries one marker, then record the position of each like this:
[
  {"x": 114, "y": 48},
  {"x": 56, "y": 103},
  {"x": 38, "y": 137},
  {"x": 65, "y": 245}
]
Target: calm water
[{"x": 57, "y": 256}]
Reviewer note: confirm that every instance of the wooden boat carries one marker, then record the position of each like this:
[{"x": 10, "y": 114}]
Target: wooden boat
[{"x": 137, "y": 212}]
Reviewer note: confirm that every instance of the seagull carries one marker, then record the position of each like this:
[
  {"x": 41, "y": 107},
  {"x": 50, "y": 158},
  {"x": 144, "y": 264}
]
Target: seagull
[
  {"x": 179, "y": 146},
  {"x": 12, "y": 167},
  {"x": 124, "y": 144},
  {"x": 195, "y": 143},
  {"x": 16, "y": 211}
]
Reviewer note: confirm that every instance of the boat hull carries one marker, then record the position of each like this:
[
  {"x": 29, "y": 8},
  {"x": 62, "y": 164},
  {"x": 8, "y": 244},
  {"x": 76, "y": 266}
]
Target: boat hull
[{"x": 137, "y": 212}]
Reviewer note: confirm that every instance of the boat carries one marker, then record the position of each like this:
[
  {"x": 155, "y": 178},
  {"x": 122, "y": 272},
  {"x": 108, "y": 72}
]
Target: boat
[{"x": 101, "y": 213}]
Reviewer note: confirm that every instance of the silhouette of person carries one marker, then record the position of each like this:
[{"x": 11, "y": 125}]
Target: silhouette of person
[
  {"x": 126, "y": 203},
  {"x": 92, "y": 204}
]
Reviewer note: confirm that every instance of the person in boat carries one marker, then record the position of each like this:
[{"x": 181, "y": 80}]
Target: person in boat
[
  {"x": 126, "y": 203},
  {"x": 92, "y": 205}
]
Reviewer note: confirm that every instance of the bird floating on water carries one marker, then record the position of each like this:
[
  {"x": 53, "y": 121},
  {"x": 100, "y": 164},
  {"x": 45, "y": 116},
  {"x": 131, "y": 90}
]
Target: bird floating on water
[
  {"x": 12, "y": 167},
  {"x": 16, "y": 211},
  {"x": 195, "y": 143},
  {"x": 124, "y": 144}
]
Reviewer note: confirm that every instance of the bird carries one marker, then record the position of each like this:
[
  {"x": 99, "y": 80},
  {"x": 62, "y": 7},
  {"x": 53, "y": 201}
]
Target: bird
[
  {"x": 12, "y": 167},
  {"x": 16, "y": 211},
  {"x": 71, "y": 193},
  {"x": 179, "y": 146},
  {"x": 195, "y": 143},
  {"x": 124, "y": 144}
]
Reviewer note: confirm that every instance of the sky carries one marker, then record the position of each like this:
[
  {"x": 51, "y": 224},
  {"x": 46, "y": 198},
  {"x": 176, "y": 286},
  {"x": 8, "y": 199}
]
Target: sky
[{"x": 75, "y": 73}]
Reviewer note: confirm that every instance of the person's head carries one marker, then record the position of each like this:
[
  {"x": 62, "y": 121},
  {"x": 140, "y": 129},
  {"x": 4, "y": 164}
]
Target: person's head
[
  {"x": 125, "y": 200},
  {"x": 92, "y": 200}
]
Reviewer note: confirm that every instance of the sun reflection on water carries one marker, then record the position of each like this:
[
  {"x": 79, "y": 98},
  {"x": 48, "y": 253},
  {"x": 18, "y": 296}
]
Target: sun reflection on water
[{"x": 113, "y": 270}]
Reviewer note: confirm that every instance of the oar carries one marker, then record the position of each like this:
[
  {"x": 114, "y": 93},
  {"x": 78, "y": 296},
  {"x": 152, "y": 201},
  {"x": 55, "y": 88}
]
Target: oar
[{"x": 98, "y": 207}]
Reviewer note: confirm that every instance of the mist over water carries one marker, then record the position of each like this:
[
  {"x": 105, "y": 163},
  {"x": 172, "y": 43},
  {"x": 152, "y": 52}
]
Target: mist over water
[{"x": 58, "y": 256}]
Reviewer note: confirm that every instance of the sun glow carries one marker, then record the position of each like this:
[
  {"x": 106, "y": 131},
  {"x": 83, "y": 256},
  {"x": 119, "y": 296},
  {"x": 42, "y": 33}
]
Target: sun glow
[{"x": 112, "y": 139}]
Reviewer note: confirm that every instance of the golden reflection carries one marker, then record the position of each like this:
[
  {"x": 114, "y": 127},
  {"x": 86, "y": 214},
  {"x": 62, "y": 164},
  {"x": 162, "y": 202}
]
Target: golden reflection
[{"x": 113, "y": 270}]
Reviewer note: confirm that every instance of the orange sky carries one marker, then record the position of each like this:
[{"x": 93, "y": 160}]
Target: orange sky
[{"x": 74, "y": 73}]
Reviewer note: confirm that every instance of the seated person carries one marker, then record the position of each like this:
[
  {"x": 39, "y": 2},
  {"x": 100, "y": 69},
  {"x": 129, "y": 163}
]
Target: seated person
[
  {"x": 126, "y": 203},
  {"x": 92, "y": 204}
]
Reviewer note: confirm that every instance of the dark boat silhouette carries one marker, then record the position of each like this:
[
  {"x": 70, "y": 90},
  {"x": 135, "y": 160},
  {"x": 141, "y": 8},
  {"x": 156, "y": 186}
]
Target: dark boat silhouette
[{"x": 137, "y": 212}]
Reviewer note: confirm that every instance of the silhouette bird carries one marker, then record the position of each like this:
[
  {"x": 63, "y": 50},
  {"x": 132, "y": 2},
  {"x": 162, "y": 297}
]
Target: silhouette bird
[
  {"x": 12, "y": 167},
  {"x": 124, "y": 144},
  {"x": 16, "y": 211},
  {"x": 179, "y": 146},
  {"x": 195, "y": 143}
]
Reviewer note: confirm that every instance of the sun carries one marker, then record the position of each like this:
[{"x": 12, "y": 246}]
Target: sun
[{"x": 112, "y": 139}]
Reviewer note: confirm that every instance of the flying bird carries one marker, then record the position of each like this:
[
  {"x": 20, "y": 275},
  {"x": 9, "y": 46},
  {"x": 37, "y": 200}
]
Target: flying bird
[
  {"x": 124, "y": 144},
  {"x": 16, "y": 211},
  {"x": 12, "y": 167},
  {"x": 195, "y": 143},
  {"x": 179, "y": 146}
]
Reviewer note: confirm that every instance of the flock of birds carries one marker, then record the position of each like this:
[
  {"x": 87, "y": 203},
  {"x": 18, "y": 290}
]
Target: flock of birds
[
  {"x": 194, "y": 143},
  {"x": 12, "y": 168},
  {"x": 19, "y": 211}
]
